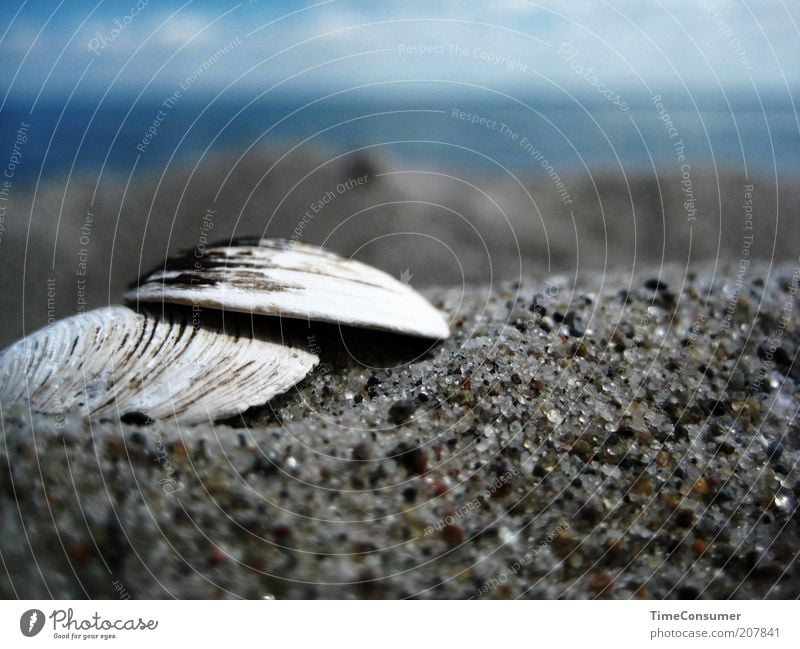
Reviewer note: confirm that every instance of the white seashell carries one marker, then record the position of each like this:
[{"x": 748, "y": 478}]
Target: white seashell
[
  {"x": 283, "y": 278},
  {"x": 114, "y": 361}
]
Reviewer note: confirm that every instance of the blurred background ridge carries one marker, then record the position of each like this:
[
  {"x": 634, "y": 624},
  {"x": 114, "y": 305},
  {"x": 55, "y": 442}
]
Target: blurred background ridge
[{"x": 456, "y": 143}]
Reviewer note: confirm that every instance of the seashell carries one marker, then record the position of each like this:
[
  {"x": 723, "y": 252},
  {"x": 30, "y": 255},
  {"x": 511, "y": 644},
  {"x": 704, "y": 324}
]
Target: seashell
[
  {"x": 115, "y": 362},
  {"x": 283, "y": 278}
]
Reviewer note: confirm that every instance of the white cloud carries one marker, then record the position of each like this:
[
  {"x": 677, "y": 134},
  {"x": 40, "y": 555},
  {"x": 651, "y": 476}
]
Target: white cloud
[
  {"x": 620, "y": 38},
  {"x": 184, "y": 28}
]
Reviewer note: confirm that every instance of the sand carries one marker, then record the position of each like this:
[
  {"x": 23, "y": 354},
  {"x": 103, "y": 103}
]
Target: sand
[{"x": 609, "y": 436}]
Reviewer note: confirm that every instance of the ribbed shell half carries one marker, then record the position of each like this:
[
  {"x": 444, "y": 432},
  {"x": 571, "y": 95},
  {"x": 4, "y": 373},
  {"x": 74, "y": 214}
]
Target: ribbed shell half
[
  {"x": 113, "y": 362},
  {"x": 283, "y": 278}
]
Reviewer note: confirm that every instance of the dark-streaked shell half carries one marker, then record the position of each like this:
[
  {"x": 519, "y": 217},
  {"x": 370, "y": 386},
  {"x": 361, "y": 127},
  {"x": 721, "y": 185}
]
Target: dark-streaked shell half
[
  {"x": 113, "y": 362},
  {"x": 282, "y": 278}
]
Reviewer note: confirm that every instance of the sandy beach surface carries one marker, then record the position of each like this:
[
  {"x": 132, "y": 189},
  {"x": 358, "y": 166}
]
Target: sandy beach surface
[{"x": 609, "y": 435}]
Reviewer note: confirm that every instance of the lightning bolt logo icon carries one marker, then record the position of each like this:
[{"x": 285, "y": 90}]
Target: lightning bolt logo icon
[{"x": 31, "y": 622}]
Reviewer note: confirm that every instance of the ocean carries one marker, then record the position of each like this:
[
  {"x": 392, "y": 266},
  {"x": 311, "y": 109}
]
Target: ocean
[{"x": 443, "y": 132}]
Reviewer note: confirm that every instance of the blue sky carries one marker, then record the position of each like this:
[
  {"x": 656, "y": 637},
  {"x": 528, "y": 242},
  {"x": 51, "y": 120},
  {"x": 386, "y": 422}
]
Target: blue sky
[{"x": 313, "y": 47}]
